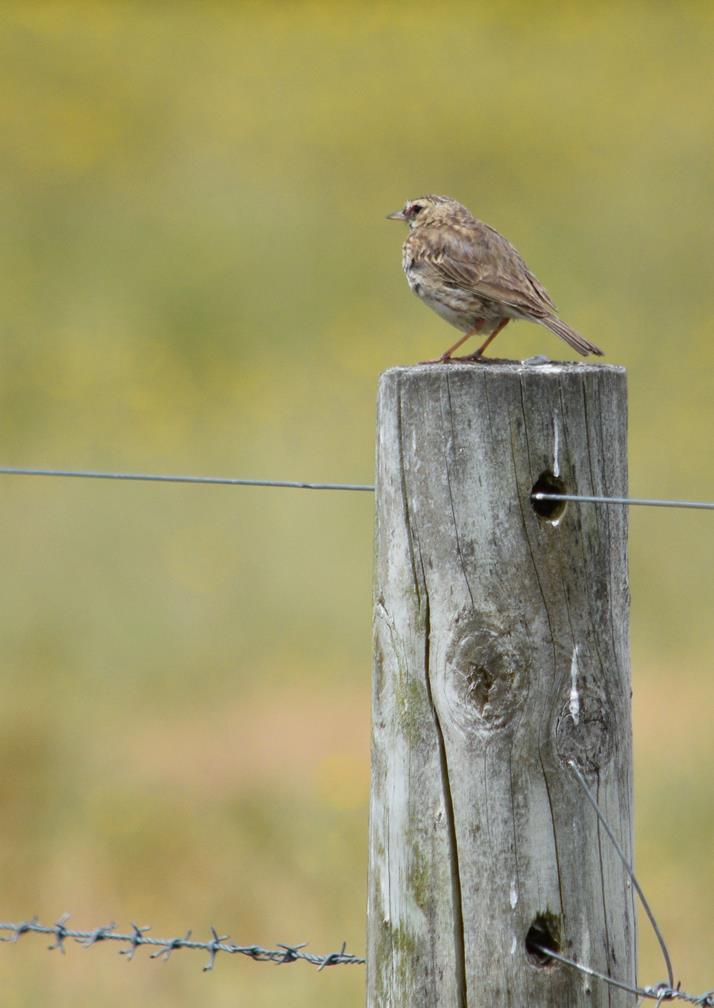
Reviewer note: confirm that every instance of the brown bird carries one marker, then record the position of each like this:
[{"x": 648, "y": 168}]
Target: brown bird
[{"x": 472, "y": 276}]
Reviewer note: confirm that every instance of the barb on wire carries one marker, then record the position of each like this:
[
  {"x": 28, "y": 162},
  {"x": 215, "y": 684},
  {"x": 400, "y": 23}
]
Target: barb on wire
[
  {"x": 134, "y": 940},
  {"x": 638, "y": 501},
  {"x": 60, "y": 934},
  {"x": 99, "y": 934},
  {"x": 165, "y": 946}
]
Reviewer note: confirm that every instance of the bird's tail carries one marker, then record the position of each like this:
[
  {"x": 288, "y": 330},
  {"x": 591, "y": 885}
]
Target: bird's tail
[{"x": 573, "y": 339}]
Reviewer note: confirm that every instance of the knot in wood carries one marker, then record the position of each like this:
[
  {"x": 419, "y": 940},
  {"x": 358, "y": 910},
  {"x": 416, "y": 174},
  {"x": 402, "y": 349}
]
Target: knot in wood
[{"x": 484, "y": 675}]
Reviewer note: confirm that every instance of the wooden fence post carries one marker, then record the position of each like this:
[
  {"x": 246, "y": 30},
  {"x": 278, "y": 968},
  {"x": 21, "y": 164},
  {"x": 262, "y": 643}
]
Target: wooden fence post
[{"x": 501, "y": 653}]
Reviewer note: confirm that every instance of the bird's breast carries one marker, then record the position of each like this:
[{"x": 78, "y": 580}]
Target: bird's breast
[{"x": 411, "y": 267}]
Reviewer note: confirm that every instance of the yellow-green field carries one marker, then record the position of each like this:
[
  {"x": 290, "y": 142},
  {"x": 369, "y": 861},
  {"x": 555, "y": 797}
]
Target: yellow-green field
[{"x": 195, "y": 276}]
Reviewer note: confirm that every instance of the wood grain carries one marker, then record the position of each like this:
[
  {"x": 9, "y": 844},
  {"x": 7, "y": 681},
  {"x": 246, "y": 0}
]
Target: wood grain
[{"x": 500, "y": 653}]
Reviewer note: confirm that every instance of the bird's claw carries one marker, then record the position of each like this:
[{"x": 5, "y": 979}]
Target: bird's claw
[
  {"x": 471, "y": 358},
  {"x": 444, "y": 359}
]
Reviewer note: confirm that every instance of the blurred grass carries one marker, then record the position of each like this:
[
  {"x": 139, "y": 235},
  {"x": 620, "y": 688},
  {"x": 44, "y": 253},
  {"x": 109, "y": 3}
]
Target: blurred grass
[{"x": 195, "y": 276}]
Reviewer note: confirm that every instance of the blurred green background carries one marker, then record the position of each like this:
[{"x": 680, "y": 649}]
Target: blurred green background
[{"x": 196, "y": 276}]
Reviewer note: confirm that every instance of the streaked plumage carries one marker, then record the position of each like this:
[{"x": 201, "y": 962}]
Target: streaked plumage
[{"x": 471, "y": 276}]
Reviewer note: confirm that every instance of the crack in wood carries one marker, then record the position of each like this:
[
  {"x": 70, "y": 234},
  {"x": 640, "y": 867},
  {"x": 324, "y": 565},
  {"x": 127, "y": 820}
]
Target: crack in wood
[{"x": 458, "y": 916}]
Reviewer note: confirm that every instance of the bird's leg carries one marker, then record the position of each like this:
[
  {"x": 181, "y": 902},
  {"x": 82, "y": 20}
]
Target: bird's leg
[
  {"x": 446, "y": 356},
  {"x": 478, "y": 354}
]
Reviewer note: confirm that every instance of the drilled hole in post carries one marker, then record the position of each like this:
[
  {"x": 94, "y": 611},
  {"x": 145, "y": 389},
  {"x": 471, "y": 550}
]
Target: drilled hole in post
[
  {"x": 543, "y": 933},
  {"x": 549, "y": 510}
]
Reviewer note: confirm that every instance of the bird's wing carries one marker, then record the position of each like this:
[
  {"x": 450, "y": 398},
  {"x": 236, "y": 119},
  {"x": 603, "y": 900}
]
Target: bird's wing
[{"x": 476, "y": 257}]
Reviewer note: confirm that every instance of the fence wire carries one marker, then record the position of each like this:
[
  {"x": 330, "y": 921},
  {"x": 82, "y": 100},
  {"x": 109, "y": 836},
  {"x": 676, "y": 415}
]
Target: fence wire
[
  {"x": 172, "y": 478},
  {"x": 305, "y": 485},
  {"x": 662, "y": 992},
  {"x": 630, "y": 501},
  {"x": 284, "y": 954},
  {"x": 281, "y": 955}
]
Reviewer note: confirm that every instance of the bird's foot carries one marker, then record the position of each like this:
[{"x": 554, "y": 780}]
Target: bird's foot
[
  {"x": 444, "y": 359},
  {"x": 471, "y": 358}
]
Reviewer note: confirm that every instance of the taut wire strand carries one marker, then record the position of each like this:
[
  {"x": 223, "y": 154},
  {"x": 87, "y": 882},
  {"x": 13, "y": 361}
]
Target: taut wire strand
[
  {"x": 169, "y": 478},
  {"x": 305, "y": 485},
  {"x": 630, "y": 501}
]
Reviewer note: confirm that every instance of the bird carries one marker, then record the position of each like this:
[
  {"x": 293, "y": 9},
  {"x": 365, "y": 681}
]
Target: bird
[{"x": 472, "y": 276}]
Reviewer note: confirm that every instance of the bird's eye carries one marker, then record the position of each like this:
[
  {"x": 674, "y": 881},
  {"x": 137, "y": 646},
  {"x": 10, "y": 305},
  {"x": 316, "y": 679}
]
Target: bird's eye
[{"x": 415, "y": 209}]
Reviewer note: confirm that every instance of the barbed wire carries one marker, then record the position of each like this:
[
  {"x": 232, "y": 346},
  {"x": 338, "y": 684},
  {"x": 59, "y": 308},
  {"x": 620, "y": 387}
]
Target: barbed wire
[
  {"x": 305, "y": 485},
  {"x": 281, "y": 955},
  {"x": 284, "y": 954}
]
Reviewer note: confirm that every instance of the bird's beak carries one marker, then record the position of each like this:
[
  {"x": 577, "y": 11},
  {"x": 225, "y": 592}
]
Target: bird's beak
[{"x": 397, "y": 215}]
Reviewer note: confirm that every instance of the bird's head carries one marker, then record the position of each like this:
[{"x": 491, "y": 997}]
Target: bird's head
[{"x": 426, "y": 210}]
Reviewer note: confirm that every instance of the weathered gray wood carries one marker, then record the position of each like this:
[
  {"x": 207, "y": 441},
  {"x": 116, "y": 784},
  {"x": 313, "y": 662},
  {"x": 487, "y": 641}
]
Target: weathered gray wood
[{"x": 478, "y": 825}]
